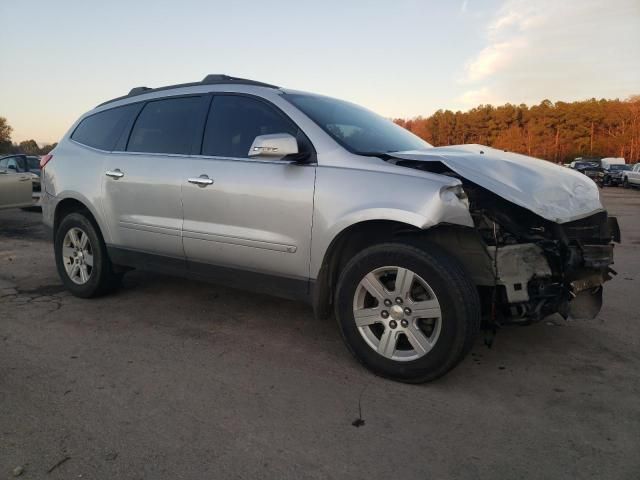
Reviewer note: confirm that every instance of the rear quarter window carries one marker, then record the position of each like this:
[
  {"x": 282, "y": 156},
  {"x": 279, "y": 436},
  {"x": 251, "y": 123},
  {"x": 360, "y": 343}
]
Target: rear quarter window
[{"x": 102, "y": 130}]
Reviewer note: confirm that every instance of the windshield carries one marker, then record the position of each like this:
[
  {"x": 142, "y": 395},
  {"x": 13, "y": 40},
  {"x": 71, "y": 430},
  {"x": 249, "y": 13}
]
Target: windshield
[
  {"x": 620, "y": 167},
  {"x": 355, "y": 128}
]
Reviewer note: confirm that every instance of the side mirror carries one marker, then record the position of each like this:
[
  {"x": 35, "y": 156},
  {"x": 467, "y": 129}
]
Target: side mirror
[{"x": 274, "y": 146}]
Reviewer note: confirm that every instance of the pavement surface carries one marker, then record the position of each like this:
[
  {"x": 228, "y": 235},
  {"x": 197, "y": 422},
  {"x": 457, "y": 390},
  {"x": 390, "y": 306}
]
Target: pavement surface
[{"x": 175, "y": 379}]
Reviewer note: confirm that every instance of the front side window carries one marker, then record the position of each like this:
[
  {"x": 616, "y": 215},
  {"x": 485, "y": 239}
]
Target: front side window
[
  {"x": 235, "y": 121},
  {"x": 12, "y": 164},
  {"x": 166, "y": 126},
  {"x": 103, "y": 129},
  {"x": 357, "y": 129}
]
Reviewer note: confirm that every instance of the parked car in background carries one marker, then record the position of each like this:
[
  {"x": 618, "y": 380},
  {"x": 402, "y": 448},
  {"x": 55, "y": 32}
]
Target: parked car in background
[
  {"x": 631, "y": 178},
  {"x": 591, "y": 169},
  {"x": 15, "y": 189},
  {"x": 305, "y": 196},
  {"x": 29, "y": 164},
  {"x": 608, "y": 161},
  {"x": 613, "y": 174},
  {"x": 596, "y": 160}
]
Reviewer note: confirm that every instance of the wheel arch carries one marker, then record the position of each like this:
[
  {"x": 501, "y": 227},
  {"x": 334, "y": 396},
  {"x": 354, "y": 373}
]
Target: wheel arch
[
  {"x": 74, "y": 203},
  {"x": 462, "y": 242}
]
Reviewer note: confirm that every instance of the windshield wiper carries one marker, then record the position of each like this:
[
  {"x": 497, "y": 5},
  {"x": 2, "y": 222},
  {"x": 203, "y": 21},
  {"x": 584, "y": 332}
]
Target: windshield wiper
[{"x": 382, "y": 155}]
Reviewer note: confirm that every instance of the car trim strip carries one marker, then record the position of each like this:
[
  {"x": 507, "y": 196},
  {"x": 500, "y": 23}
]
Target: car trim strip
[{"x": 240, "y": 241}]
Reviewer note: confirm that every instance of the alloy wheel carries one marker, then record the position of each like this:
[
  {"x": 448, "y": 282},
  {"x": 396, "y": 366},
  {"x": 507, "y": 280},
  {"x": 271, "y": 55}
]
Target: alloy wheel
[
  {"x": 77, "y": 255},
  {"x": 397, "y": 313}
]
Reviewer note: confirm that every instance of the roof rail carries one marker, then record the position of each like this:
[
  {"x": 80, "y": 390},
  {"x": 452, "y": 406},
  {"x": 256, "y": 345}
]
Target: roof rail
[
  {"x": 137, "y": 90},
  {"x": 216, "y": 78},
  {"x": 211, "y": 79}
]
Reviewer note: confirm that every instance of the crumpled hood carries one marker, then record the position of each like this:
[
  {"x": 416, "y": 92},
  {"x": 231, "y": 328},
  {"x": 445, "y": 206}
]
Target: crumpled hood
[{"x": 555, "y": 193}]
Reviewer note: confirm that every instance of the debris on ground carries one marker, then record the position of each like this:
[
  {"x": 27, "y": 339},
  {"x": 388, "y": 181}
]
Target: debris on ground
[
  {"x": 358, "y": 422},
  {"x": 60, "y": 462}
]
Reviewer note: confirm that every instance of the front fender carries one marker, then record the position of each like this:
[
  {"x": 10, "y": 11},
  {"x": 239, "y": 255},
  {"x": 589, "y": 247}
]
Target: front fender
[{"x": 346, "y": 197}]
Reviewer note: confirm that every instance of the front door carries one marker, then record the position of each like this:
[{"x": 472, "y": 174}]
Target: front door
[{"x": 247, "y": 215}]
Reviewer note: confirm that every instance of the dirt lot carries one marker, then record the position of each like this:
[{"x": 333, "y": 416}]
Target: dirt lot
[{"x": 177, "y": 379}]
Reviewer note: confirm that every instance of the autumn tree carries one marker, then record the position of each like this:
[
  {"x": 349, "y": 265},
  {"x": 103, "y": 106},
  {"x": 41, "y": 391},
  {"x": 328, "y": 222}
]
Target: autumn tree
[
  {"x": 558, "y": 132},
  {"x": 30, "y": 147},
  {"x": 5, "y": 136}
]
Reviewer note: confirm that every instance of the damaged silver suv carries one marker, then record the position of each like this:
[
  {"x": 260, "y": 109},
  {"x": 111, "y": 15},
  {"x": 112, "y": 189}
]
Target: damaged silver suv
[{"x": 412, "y": 247}]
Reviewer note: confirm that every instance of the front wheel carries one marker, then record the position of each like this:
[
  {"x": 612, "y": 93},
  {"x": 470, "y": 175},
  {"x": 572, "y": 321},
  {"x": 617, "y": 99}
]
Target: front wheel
[
  {"x": 625, "y": 182},
  {"x": 409, "y": 314}
]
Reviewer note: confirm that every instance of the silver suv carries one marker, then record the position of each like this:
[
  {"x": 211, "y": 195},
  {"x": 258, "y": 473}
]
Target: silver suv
[{"x": 412, "y": 247}]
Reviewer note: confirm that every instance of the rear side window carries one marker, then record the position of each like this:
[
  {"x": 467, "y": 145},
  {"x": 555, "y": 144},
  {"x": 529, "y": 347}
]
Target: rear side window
[
  {"x": 103, "y": 129},
  {"x": 235, "y": 121},
  {"x": 166, "y": 126}
]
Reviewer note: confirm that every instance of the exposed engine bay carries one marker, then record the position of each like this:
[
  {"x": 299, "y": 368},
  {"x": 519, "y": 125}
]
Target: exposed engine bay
[{"x": 528, "y": 267}]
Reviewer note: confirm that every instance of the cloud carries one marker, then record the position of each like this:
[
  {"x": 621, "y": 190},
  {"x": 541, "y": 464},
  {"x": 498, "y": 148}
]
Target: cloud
[
  {"x": 483, "y": 95},
  {"x": 492, "y": 59},
  {"x": 566, "y": 50},
  {"x": 506, "y": 36}
]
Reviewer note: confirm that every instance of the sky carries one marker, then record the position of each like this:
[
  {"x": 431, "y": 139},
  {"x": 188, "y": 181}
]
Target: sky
[{"x": 400, "y": 58}]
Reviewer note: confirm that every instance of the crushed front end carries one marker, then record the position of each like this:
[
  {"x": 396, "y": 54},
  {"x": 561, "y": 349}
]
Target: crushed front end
[
  {"x": 542, "y": 242},
  {"x": 540, "y": 267}
]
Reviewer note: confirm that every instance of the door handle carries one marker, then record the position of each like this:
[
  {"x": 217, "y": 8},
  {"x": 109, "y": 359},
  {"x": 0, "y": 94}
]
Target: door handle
[
  {"x": 117, "y": 173},
  {"x": 202, "y": 181}
]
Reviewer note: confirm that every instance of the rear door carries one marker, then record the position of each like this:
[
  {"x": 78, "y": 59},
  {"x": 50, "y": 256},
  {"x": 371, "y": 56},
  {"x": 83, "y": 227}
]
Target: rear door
[
  {"x": 142, "y": 182},
  {"x": 255, "y": 214}
]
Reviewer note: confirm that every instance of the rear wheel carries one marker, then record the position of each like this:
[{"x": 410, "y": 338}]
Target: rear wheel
[
  {"x": 407, "y": 313},
  {"x": 81, "y": 257}
]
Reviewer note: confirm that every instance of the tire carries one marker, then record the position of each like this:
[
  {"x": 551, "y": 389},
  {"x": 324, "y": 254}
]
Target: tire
[
  {"x": 446, "y": 282},
  {"x": 100, "y": 277},
  {"x": 625, "y": 182}
]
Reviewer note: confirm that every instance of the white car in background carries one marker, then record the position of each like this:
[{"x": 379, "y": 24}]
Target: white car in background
[
  {"x": 631, "y": 178},
  {"x": 15, "y": 189}
]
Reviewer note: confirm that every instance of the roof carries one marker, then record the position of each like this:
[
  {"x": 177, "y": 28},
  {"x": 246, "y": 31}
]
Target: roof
[{"x": 211, "y": 79}]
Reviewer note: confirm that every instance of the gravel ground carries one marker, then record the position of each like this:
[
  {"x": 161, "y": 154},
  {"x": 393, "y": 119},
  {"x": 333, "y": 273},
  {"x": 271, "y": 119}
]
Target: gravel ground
[{"x": 176, "y": 379}]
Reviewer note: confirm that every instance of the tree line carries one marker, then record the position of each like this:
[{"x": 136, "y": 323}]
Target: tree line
[
  {"x": 29, "y": 147},
  {"x": 558, "y": 132}
]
